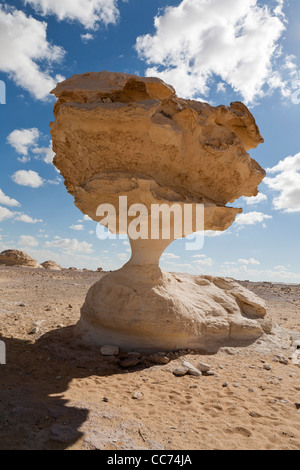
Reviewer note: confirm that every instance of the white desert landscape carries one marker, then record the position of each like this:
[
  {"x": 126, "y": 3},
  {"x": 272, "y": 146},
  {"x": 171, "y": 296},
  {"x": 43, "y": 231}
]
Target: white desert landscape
[{"x": 149, "y": 249}]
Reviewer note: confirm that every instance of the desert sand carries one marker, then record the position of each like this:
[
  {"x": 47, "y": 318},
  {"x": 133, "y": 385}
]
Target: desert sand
[{"x": 56, "y": 395}]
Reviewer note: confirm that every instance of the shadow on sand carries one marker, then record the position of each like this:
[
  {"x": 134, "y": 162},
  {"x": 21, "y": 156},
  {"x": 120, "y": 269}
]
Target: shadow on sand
[{"x": 34, "y": 413}]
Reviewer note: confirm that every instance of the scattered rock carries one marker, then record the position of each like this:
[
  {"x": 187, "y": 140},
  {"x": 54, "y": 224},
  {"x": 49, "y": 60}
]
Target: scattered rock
[
  {"x": 18, "y": 258},
  {"x": 267, "y": 367},
  {"x": 129, "y": 362},
  {"x": 109, "y": 350},
  {"x": 203, "y": 367},
  {"x": 191, "y": 369},
  {"x": 51, "y": 265},
  {"x": 181, "y": 371},
  {"x": 137, "y": 396},
  {"x": 105, "y": 399},
  {"x": 157, "y": 359}
]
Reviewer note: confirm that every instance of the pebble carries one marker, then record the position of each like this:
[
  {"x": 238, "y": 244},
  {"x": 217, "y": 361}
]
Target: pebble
[
  {"x": 204, "y": 367},
  {"x": 105, "y": 399},
  {"x": 225, "y": 384},
  {"x": 137, "y": 396},
  {"x": 158, "y": 359},
  {"x": 191, "y": 369},
  {"x": 21, "y": 305},
  {"x": 129, "y": 362},
  {"x": 109, "y": 350},
  {"x": 180, "y": 371},
  {"x": 267, "y": 367}
]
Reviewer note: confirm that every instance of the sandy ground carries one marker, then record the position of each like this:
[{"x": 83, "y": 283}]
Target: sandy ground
[{"x": 54, "y": 395}]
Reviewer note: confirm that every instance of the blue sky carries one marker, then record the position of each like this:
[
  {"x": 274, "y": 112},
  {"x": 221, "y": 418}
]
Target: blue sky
[{"x": 217, "y": 51}]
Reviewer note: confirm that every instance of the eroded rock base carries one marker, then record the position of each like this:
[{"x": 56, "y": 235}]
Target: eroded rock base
[{"x": 145, "y": 309}]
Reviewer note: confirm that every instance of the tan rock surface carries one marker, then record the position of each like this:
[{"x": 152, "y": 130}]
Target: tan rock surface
[
  {"x": 122, "y": 135},
  {"x": 18, "y": 258},
  {"x": 52, "y": 265}
]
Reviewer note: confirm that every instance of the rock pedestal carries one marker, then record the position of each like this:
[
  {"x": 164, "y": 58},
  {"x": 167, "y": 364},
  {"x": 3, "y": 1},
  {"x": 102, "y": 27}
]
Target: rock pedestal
[{"x": 118, "y": 135}]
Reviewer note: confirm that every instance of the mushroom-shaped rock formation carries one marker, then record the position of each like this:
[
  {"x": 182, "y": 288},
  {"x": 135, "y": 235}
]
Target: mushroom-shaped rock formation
[
  {"x": 52, "y": 266},
  {"x": 120, "y": 137},
  {"x": 18, "y": 258}
]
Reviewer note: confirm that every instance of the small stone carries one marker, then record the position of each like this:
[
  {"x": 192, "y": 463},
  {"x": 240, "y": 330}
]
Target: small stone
[
  {"x": 70, "y": 306},
  {"x": 191, "y": 369},
  {"x": 267, "y": 367},
  {"x": 236, "y": 385},
  {"x": 204, "y": 367},
  {"x": 250, "y": 390},
  {"x": 297, "y": 405},
  {"x": 129, "y": 362},
  {"x": 157, "y": 359},
  {"x": 180, "y": 371},
  {"x": 105, "y": 399},
  {"x": 34, "y": 331},
  {"x": 225, "y": 384},
  {"x": 282, "y": 359},
  {"x": 209, "y": 373},
  {"x": 253, "y": 414},
  {"x": 21, "y": 305},
  {"x": 109, "y": 350},
  {"x": 137, "y": 396}
]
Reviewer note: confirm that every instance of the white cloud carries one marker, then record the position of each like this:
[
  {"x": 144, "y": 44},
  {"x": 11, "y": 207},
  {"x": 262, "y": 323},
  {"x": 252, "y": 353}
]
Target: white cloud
[
  {"x": 28, "y": 178},
  {"x": 167, "y": 256},
  {"x": 86, "y": 37},
  {"x": 46, "y": 153},
  {"x": 251, "y": 218},
  {"x": 24, "y": 49},
  {"x": 7, "y": 201},
  {"x": 87, "y": 218},
  {"x": 252, "y": 201},
  {"x": 23, "y": 139},
  {"x": 70, "y": 245},
  {"x": 5, "y": 214},
  {"x": 77, "y": 227},
  {"x": 208, "y": 262},
  {"x": 28, "y": 220},
  {"x": 287, "y": 183},
  {"x": 198, "y": 41},
  {"x": 87, "y": 12},
  {"x": 27, "y": 241},
  {"x": 249, "y": 261}
]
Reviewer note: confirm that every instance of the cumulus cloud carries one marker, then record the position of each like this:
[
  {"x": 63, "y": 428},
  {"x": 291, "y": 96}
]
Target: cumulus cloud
[
  {"x": 27, "y": 219},
  {"x": 28, "y": 178},
  {"x": 7, "y": 201},
  {"x": 252, "y": 218},
  {"x": 27, "y": 241},
  {"x": 249, "y": 261},
  {"x": 234, "y": 43},
  {"x": 87, "y": 37},
  {"x": 87, "y": 12},
  {"x": 252, "y": 201},
  {"x": 5, "y": 214},
  {"x": 287, "y": 183},
  {"x": 77, "y": 227},
  {"x": 23, "y": 139},
  {"x": 46, "y": 153},
  {"x": 70, "y": 245},
  {"x": 25, "y": 50}
]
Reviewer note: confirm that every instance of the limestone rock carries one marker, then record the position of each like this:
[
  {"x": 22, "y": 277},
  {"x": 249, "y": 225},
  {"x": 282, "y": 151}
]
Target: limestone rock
[
  {"x": 121, "y": 135},
  {"x": 109, "y": 350},
  {"x": 51, "y": 265},
  {"x": 18, "y": 258}
]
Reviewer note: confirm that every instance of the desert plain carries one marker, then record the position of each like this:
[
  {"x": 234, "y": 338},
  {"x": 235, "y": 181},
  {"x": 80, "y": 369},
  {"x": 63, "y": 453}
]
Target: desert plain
[{"x": 55, "y": 394}]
